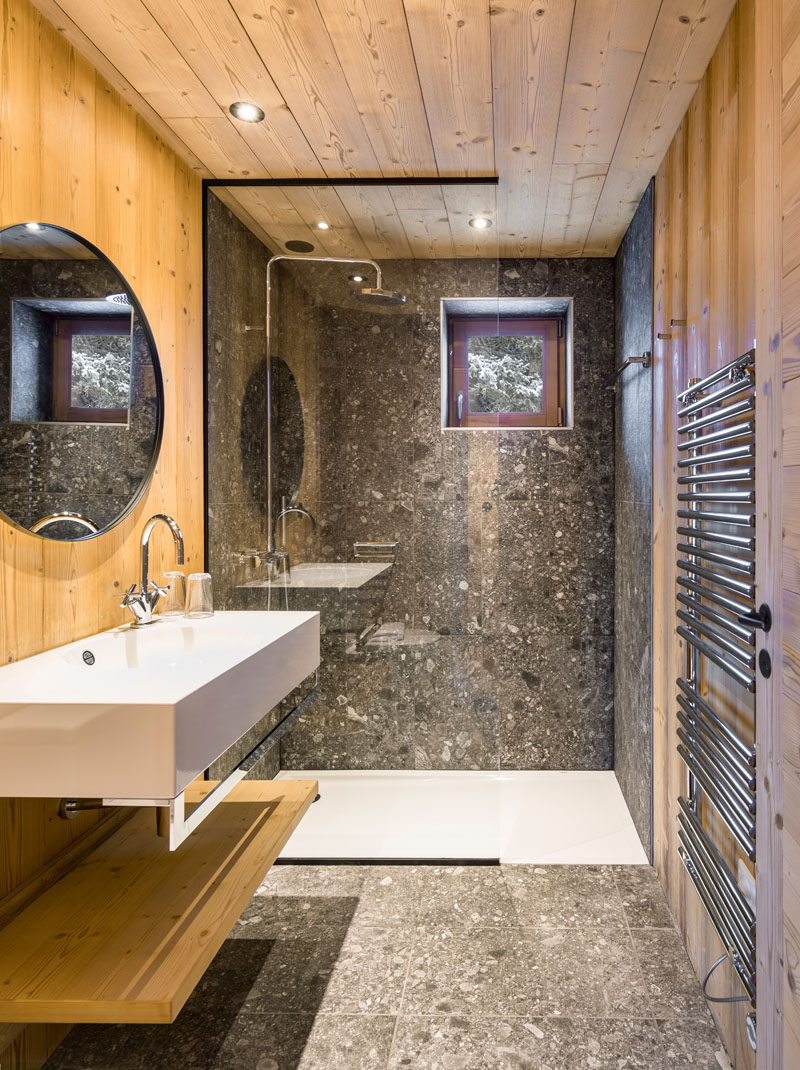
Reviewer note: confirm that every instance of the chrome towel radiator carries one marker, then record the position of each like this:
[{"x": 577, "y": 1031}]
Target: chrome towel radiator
[{"x": 717, "y": 620}]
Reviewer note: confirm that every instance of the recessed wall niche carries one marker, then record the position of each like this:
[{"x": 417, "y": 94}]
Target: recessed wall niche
[{"x": 71, "y": 361}]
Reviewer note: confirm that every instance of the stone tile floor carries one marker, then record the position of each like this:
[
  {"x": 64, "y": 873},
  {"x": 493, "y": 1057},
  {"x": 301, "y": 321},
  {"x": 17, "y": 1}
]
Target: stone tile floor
[{"x": 441, "y": 968}]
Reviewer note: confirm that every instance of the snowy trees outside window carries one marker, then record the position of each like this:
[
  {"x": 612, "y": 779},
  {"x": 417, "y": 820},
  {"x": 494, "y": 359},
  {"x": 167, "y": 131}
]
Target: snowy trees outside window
[
  {"x": 505, "y": 373},
  {"x": 504, "y": 370},
  {"x": 101, "y": 371}
]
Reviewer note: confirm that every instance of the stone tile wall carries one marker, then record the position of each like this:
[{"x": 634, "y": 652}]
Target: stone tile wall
[
  {"x": 634, "y": 459},
  {"x": 505, "y": 574}
]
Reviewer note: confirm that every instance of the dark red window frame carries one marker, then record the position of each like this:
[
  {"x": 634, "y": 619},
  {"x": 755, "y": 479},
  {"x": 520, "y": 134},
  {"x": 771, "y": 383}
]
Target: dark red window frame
[
  {"x": 64, "y": 328},
  {"x": 554, "y": 395}
]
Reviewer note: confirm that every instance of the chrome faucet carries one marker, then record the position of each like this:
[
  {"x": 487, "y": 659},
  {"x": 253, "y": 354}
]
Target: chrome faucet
[
  {"x": 141, "y": 603},
  {"x": 276, "y": 560},
  {"x": 279, "y": 559}
]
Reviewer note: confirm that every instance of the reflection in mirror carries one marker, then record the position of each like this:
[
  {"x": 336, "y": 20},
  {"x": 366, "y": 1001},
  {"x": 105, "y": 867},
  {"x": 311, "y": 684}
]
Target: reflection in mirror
[
  {"x": 288, "y": 440},
  {"x": 80, "y": 386}
]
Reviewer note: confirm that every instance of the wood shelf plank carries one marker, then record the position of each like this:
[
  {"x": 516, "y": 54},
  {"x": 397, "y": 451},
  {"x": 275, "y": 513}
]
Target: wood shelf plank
[{"x": 127, "y": 934}]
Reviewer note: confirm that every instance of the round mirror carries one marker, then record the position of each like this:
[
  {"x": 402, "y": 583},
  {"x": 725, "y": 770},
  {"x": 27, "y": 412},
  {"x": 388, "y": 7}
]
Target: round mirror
[{"x": 81, "y": 396}]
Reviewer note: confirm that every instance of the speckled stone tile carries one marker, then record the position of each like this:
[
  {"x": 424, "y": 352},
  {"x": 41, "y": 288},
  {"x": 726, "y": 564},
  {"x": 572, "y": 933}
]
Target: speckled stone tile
[
  {"x": 565, "y": 896},
  {"x": 633, "y": 440},
  {"x": 434, "y": 458},
  {"x": 390, "y": 596},
  {"x": 693, "y": 1042},
  {"x": 303, "y": 1042},
  {"x": 302, "y": 748},
  {"x": 359, "y": 971},
  {"x": 572, "y": 457},
  {"x": 547, "y": 688},
  {"x": 464, "y": 897},
  {"x": 633, "y": 735},
  {"x": 364, "y": 718},
  {"x": 377, "y": 414},
  {"x": 274, "y": 917},
  {"x": 380, "y": 695},
  {"x": 447, "y": 1043},
  {"x": 673, "y": 988},
  {"x": 100, "y": 1047},
  {"x": 447, "y": 566},
  {"x": 299, "y": 899},
  {"x": 522, "y": 465},
  {"x": 562, "y": 972},
  {"x": 371, "y": 971},
  {"x": 456, "y": 711},
  {"x": 589, "y": 973},
  {"x": 484, "y": 972},
  {"x": 518, "y": 593},
  {"x": 643, "y": 898},
  {"x": 475, "y": 464}
]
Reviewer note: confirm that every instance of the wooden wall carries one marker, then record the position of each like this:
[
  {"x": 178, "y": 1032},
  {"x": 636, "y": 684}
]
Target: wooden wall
[
  {"x": 73, "y": 153},
  {"x": 717, "y": 242},
  {"x": 790, "y": 294}
]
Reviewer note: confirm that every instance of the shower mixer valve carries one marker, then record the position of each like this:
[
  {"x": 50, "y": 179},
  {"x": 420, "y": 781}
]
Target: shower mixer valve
[{"x": 276, "y": 561}]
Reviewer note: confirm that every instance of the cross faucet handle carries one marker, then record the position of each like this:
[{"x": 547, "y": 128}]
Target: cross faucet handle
[{"x": 130, "y": 597}]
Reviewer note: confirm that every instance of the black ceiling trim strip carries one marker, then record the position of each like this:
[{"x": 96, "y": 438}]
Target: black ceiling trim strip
[{"x": 209, "y": 182}]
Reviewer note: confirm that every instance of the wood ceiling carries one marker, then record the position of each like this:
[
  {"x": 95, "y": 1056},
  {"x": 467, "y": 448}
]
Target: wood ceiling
[{"x": 572, "y": 103}]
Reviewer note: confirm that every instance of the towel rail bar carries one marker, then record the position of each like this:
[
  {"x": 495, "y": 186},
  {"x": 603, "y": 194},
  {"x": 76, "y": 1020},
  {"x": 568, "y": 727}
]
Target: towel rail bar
[
  {"x": 733, "y": 370},
  {"x": 726, "y": 413}
]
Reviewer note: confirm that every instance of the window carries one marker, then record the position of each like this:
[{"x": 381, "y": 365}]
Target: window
[
  {"x": 506, "y": 371},
  {"x": 91, "y": 369}
]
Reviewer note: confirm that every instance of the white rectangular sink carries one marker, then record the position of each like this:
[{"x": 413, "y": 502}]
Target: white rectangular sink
[
  {"x": 139, "y": 713},
  {"x": 336, "y": 575}
]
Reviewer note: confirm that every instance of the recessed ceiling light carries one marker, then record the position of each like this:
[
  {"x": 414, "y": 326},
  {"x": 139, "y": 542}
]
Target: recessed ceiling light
[
  {"x": 33, "y": 226},
  {"x": 356, "y": 278},
  {"x": 322, "y": 225},
  {"x": 246, "y": 112},
  {"x": 118, "y": 299},
  {"x": 480, "y": 223}
]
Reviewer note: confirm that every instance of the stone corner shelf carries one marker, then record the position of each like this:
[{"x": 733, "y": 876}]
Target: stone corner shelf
[{"x": 128, "y": 933}]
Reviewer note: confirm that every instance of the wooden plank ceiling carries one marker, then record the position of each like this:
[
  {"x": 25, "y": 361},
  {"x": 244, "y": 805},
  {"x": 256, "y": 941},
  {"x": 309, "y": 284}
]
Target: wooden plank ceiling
[{"x": 572, "y": 103}]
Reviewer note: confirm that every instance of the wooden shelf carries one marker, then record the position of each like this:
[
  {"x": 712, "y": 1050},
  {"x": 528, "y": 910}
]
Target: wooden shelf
[{"x": 128, "y": 933}]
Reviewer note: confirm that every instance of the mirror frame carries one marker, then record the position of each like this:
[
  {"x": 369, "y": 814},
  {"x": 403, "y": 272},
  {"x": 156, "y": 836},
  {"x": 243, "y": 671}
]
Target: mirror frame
[{"x": 159, "y": 382}]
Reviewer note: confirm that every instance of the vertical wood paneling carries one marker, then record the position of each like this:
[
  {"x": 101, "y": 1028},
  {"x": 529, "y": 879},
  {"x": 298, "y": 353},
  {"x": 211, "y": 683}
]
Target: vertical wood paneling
[
  {"x": 530, "y": 46},
  {"x": 769, "y": 487},
  {"x": 716, "y": 263},
  {"x": 675, "y": 62},
  {"x": 307, "y": 72},
  {"x": 790, "y": 338},
  {"x": 374, "y": 48},
  {"x": 73, "y": 153},
  {"x": 452, "y": 53}
]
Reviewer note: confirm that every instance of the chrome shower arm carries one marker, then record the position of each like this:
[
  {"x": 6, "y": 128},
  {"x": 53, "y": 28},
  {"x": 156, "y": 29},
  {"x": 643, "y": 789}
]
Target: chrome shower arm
[{"x": 317, "y": 260}]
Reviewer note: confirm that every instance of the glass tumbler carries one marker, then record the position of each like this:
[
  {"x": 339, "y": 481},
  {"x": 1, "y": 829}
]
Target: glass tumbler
[
  {"x": 200, "y": 596},
  {"x": 174, "y": 601}
]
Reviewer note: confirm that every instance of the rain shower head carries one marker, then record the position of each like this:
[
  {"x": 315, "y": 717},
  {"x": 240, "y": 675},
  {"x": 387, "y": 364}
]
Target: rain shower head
[{"x": 382, "y": 297}]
